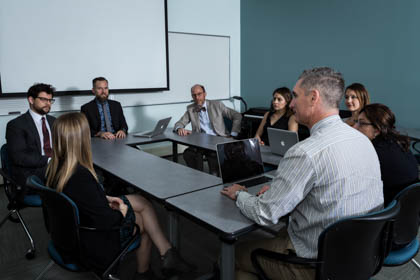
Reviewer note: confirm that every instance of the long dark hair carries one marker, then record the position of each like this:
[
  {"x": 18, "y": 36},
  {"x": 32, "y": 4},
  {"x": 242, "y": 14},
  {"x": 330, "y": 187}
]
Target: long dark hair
[
  {"x": 383, "y": 119},
  {"x": 287, "y": 95}
]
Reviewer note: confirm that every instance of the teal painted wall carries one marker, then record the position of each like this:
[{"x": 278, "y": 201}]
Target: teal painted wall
[{"x": 374, "y": 42}]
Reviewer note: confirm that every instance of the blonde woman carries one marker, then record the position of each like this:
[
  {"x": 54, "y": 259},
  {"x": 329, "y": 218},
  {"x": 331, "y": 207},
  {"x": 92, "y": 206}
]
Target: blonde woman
[
  {"x": 279, "y": 116},
  {"x": 356, "y": 97},
  {"x": 71, "y": 171}
]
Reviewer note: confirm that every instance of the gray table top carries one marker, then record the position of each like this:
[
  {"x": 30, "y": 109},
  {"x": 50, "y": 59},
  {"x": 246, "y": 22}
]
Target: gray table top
[
  {"x": 216, "y": 211},
  {"x": 155, "y": 176},
  {"x": 268, "y": 157}
]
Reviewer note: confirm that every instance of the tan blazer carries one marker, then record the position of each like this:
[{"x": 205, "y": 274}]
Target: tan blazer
[{"x": 216, "y": 111}]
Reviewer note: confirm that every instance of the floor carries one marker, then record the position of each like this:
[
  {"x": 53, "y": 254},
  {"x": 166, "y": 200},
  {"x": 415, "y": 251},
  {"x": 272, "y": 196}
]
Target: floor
[{"x": 198, "y": 246}]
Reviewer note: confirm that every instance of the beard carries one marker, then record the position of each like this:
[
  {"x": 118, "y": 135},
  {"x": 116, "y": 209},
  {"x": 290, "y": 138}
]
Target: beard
[
  {"x": 102, "y": 98},
  {"x": 41, "y": 110}
]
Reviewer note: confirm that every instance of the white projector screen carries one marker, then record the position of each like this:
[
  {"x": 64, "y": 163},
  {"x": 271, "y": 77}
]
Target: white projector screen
[{"x": 68, "y": 43}]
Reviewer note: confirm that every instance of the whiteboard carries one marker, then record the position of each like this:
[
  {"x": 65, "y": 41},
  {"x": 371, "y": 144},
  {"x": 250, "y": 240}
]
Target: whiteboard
[{"x": 193, "y": 58}]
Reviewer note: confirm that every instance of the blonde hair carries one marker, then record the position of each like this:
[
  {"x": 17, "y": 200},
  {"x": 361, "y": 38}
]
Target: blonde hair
[{"x": 71, "y": 146}]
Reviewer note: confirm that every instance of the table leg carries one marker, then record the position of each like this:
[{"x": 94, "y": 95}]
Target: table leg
[
  {"x": 173, "y": 229},
  {"x": 227, "y": 261},
  {"x": 175, "y": 152}
]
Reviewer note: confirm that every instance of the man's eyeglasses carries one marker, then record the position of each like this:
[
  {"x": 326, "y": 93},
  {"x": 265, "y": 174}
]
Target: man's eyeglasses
[
  {"x": 43, "y": 99},
  {"x": 362, "y": 123}
]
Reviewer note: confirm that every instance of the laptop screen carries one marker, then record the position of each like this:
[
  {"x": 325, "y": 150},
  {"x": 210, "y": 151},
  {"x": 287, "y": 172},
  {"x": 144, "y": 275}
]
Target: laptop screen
[{"x": 239, "y": 160}]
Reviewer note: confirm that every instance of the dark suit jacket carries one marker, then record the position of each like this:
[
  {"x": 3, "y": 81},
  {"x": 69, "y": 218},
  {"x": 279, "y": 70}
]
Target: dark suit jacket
[
  {"x": 24, "y": 148},
  {"x": 101, "y": 247},
  {"x": 91, "y": 112}
]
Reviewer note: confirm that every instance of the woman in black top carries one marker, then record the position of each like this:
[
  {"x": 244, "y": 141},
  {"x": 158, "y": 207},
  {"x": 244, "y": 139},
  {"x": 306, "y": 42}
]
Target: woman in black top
[
  {"x": 279, "y": 116},
  {"x": 398, "y": 164},
  {"x": 71, "y": 171}
]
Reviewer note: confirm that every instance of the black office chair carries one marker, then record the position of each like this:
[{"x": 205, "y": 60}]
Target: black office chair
[
  {"x": 61, "y": 217},
  {"x": 416, "y": 147},
  {"x": 12, "y": 190},
  {"x": 405, "y": 245},
  {"x": 351, "y": 248}
]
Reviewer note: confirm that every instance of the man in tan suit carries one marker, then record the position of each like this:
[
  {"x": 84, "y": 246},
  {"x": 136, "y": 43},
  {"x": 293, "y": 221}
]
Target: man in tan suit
[{"x": 206, "y": 116}]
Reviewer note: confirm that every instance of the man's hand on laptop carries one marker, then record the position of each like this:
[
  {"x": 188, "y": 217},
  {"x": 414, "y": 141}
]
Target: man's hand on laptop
[
  {"x": 183, "y": 132},
  {"x": 231, "y": 191},
  {"x": 263, "y": 190}
]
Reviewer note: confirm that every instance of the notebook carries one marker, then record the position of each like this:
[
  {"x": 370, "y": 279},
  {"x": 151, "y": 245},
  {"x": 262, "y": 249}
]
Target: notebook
[
  {"x": 159, "y": 129},
  {"x": 240, "y": 162},
  {"x": 281, "y": 140}
]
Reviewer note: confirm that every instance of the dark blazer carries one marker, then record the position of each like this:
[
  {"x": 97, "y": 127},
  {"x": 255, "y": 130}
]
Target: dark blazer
[
  {"x": 24, "y": 148},
  {"x": 91, "y": 112},
  {"x": 398, "y": 168},
  {"x": 100, "y": 247}
]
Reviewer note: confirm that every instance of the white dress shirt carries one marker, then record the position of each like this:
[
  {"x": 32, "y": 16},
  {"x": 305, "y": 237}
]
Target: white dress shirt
[{"x": 331, "y": 175}]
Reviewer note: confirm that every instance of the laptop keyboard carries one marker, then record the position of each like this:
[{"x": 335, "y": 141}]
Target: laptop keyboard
[{"x": 254, "y": 181}]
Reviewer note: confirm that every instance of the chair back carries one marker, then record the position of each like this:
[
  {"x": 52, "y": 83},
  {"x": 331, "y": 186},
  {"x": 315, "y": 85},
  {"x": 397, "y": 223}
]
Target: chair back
[
  {"x": 61, "y": 218},
  {"x": 5, "y": 159},
  {"x": 407, "y": 223},
  {"x": 355, "y": 247},
  {"x": 10, "y": 187}
]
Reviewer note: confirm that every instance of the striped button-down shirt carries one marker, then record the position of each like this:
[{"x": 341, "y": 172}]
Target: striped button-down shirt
[{"x": 333, "y": 174}]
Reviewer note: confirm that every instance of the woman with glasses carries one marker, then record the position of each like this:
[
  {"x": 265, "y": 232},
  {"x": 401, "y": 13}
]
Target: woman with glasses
[
  {"x": 279, "y": 116},
  {"x": 356, "y": 97},
  {"x": 71, "y": 171},
  {"x": 398, "y": 164}
]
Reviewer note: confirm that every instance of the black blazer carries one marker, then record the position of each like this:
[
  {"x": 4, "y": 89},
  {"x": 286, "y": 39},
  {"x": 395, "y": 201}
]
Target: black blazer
[
  {"x": 100, "y": 247},
  {"x": 398, "y": 168},
  {"x": 91, "y": 112},
  {"x": 24, "y": 148}
]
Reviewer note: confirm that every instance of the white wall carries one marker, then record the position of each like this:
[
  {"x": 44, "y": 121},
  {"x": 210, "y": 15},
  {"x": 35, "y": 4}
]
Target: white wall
[{"x": 216, "y": 17}]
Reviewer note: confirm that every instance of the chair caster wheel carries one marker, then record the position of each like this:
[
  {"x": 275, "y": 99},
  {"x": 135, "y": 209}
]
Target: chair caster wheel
[{"x": 30, "y": 254}]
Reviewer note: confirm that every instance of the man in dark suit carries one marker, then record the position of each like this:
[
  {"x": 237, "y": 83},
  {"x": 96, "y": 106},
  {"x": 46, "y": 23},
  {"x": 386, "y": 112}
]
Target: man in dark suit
[
  {"x": 29, "y": 143},
  {"x": 105, "y": 117}
]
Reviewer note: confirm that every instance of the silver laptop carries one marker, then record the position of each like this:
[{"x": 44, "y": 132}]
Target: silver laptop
[
  {"x": 281, "y": 140},
  {"x": 159, "y": 129},
  {"x": 240, "y": 162}
]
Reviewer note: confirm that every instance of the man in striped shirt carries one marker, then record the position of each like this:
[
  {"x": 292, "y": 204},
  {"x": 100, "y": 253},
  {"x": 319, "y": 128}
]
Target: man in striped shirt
[{"x": 331, "y": 175}]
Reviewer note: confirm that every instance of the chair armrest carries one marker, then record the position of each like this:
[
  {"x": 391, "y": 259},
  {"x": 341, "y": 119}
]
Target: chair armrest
[
  {"x": 98, "y": 229},
  {"x": 290, "y": 258}
]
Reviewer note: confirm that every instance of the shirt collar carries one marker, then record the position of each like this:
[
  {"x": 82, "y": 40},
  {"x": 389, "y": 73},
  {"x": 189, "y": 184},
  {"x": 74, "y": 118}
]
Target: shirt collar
[
  {"x": 35, "y": 116},
  {"x": 99, "y": 102},
  {"x": 324, "y": 122}
]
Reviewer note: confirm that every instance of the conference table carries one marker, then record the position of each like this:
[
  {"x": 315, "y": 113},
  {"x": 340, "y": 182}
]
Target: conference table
[{"x": 182, "y": 190}]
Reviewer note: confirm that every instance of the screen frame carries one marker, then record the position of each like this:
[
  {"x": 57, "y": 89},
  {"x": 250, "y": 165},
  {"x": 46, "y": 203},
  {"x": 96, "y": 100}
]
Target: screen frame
[{"x": 111, "y": 91}]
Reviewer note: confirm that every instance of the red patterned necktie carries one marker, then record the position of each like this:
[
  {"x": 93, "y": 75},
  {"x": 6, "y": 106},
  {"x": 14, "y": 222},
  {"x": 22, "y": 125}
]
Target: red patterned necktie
[{"x": 46, "y": 136}]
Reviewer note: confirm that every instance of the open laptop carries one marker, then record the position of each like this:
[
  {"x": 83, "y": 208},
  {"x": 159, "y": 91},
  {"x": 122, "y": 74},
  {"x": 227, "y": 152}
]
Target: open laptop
[
  {"x": 159, "y": 129},
  {"x": 240, "y": 162},
  {"x": 281, "y": 140}
]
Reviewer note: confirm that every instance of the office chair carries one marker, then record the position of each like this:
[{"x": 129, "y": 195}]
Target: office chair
[
  {"x": 405, "y": 245},
  {"x": 351, "y": 248},
  {"x": 416, "y": 147},
  {"x": 61, "y": 217},
  {"x": 12, "y": 190}
]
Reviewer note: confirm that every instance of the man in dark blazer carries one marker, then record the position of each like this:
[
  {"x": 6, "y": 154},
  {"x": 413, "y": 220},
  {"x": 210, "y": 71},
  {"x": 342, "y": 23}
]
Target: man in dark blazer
[
  {"x": 105, "y": 117},
  {"x": 29, "y": 143},
  {"x": 206, "y": 116}
]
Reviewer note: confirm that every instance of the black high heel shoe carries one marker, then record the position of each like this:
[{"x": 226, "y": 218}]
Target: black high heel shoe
[{"x": 173, "y": 264}]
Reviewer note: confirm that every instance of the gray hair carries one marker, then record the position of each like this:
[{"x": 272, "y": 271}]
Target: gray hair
[{"x": 327, "y": 81}]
